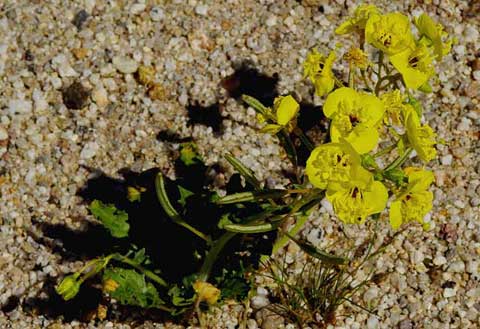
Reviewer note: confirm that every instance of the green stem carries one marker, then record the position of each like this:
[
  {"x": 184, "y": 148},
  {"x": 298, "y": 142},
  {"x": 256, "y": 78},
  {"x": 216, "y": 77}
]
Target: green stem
[
  {"x": 135, "y": 265},
  {"x": 399, "y": 161},
  {"x": 351, "y": 77},
  {"x": 386, "y": 150},
  {"x": 213, "y": 255},
  {"x": 170, "y": 210}
]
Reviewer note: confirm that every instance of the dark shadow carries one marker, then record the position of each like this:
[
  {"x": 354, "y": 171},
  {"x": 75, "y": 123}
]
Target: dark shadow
[
  {"x": 248, "y": 80},
  {"x": 49, "y": 304},
  {"x": 172, "y": 249},
  {"x": 170, "y": 136},
  {"x": 205, "y": 115}
]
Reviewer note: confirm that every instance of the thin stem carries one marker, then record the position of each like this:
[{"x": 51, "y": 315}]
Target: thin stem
[
  {"x": 365, "y": 81},
  {"x": 135, "y": 265},
  {"x": 399, "y": 161},
  {"x": 213, "y": 255},
  {"x": 386, "y": 150},
  {"x": 351, "y": 77}
]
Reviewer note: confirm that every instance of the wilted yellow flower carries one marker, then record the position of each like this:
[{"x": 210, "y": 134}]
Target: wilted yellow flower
[
  {"x": 432, "y": 34},
  {"x": 332, "y": 162},
  {"x": 357, "y": 199},
  {"x": 110, "y": 285},
  {"x": 415, "y": 66},
  {"x": 357, "y": 57},
  {"x": 206, "y": 292},
  {"x": 69, "y": 287},
  {"x": 421, "y": 137},
  {"x": 358, "y": 20},
  {"x": 393, "y": 101},
  {"x": 285, "y": 109},
  {"x": 354, "y": 117},
  {"x": 390, "y": 33},
  {"x": 319, "y": 70},
  {"x": 415, "y": 201}
]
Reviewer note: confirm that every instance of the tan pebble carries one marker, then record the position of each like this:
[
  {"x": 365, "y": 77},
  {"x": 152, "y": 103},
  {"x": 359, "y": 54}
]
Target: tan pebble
[
  {"x": 146, "y": 75},
  {"x": 3, "y": 134},
  {"x": 80, "y": 53},
  {"x": 473, "y": 89},
  {"x": 157, "y": 92},
  {"x": 100, "y": 97}
]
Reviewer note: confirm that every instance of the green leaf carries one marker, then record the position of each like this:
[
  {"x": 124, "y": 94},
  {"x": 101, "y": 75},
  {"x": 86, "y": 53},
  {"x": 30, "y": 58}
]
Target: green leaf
[
  {"x": 416, "y": 105},
  {"x": 184, "y": 194},
  {"x": 233, "y": 284},
  {"x": 319, "y": 254},
  {"x": 189, "y": 154},
  {"x": 251, "y": 228},
  {"x": 132, "y": 288},
  {"x": 112, "y": 219},
  {"x": 246, "y": 172},
  {"x": 255, "y": 104},
  {"x": 252, "y": 196}
]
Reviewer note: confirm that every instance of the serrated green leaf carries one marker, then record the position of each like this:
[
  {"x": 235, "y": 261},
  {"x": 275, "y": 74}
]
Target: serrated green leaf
[
  {"x": 112, "y": 219},
  {"x": 132, "y": 288},
  {"x": 189, "y": 154}
]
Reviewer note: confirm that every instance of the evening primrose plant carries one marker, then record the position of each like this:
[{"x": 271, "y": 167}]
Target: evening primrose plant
[{"x": 372, "y": 162}]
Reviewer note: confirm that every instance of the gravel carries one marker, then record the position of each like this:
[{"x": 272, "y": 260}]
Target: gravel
[{"x": 46, "y": 149}]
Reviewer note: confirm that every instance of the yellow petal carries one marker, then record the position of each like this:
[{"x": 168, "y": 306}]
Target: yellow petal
[
  {"x": 344, "y": 95},
  {"x": 286, "y": 109},
  {"x": 396, "y": 214},
  {"x": 377, "y": 197}
]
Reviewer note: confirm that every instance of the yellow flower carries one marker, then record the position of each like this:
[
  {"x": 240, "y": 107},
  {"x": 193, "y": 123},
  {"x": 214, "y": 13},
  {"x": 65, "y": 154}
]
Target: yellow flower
[
  {"x": 357, "y": 57},
  {"x": 354, "y": 117},
  {"x": 415, "y": 66},
  {"x": 358, "y": 198},
  {"x": 421, "y": 137},
  {"x": 319, "y": 70},
  {"x": 206, "y": 292},
  {"x": 390, "y": 33},
  {"x": 415, "y": 201},
  {"x": 432, "y": 34},
  {"x": 393, "y": 101},
  {"x": 285, "y": 109},
  {"x": 358, "y": 20},
  {"x": 332, "y": 162}
]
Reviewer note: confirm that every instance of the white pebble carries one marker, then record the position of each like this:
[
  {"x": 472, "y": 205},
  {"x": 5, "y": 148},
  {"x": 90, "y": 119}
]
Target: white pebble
[
  {"x": 449, "y": 292},
  {"x": 100, "y": 97},
  {"x": 476, "y": 74},
  {"x": 271, "y": 20},
  {"x": 89, "y": 150},
  {"x": 3, "y": 134},
  {"x": 157, "y": 14},
  {"x": 446, "y": 160},
  {"x": 63, "y": 67},
  {"x": 372, "y": 322},
  {"x": 458, "y": 267},
  {"x": 439, "y": 260},
  {"x": 201, "y": 10},
  {"x": 259, "y": 302},
  {"x": 464, "y": 125},
  {"x": 19, "y": 106},
  {"x": 125, "y": 64},
  {"x": 137, "y": 8},
  {"x": 370, "y": 294}
]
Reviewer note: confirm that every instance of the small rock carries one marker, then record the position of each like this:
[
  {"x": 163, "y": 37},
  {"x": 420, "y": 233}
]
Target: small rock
[
  {"x": 259, "y": 301},
  {"x": 3, "y": 134},
  {"x": 100, "y": 97},
  {"x": 271, "y": 20},
  {"x": 464, "y": 125},
  {"x": 125, "y": 64},
  {"x": 449, "y": 292},
  {"x": 80, "y": 53},
  {"x": 19, "y": 106},
  {"x": 89, "y": 150},
  {"x": 157, "y": 14},
  {"x": 63, "y": 66},
  {"x": 446, "y": 160},
  {"x": 448, "y": 232},
  {"x": 476, "y": 75},
  {"x": 457, "y": 267},
  {"x": 370, "y": 294},
  {"x": 137, "y": 8},
  {"x": 439, "y": 260},
  {"x": 372, "y": 322},
  {"x": 80, "y": 18},
  {"x": 405, "y": 324},
  {"x": 75, "y": 96},
  {"x": 201, "y": 10},
  {"x": 473, "y": 89}
]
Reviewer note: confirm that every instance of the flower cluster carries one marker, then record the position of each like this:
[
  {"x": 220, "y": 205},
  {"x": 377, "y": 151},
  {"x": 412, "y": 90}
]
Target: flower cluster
[{"x": 347, "y": 167}]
